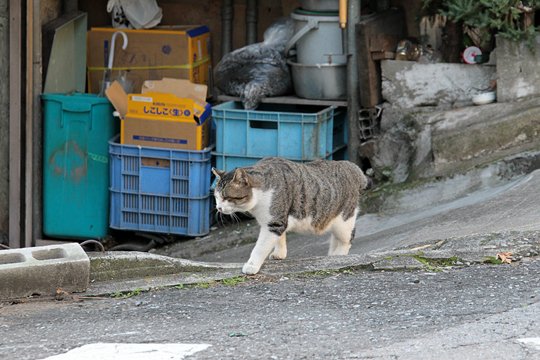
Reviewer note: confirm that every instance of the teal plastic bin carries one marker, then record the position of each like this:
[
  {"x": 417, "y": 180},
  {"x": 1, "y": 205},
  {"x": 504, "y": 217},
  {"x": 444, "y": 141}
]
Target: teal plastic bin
[{"x": 76, "y": 132}]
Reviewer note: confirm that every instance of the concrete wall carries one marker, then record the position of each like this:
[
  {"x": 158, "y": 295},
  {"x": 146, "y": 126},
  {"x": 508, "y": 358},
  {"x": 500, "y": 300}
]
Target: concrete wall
[
  {"x": 421, "y": 143},
  {"x": 517, "y": 70},
  {"x": 409, "y": 84},
  {"x": 4, "y": 119}
]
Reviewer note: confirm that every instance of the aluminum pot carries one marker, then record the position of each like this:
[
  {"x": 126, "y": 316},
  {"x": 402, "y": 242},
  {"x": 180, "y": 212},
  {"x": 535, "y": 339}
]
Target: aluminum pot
[
  {"x": 319, "y": 81},
  {"x": 320, "y": 5}
]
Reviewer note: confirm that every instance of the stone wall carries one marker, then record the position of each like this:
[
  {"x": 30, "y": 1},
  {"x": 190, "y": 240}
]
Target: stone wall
[
  {"x": 421, "y": 143},
  {"x": 518, "y": 74},
  {"x": 429, "y": 127},
  {"x": 409, "y": 84}
]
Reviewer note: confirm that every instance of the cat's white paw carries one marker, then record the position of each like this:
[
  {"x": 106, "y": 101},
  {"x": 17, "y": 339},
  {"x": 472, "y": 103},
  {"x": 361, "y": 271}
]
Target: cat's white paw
[
  {"x": 277, "y": 256},
  {"x": 250, "y": 269}
]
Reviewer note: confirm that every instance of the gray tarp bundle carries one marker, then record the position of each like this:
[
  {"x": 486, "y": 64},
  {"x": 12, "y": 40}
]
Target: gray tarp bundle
[{"x": 258, "y": 70}]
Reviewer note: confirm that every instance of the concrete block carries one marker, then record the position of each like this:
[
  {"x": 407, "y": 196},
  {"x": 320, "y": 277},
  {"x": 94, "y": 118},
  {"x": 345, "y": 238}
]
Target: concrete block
[
  {"x": 434, "y": 142},
  {"x": 517, "y": 70},
  {"x": 478, "y": 135},
  {"x": 41, "y": 270},
  {"x": 408, "y": 84}
]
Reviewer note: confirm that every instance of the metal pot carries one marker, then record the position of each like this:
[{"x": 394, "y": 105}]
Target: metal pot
[
  {"x": 320, "y": 5},
  {"x": 319, "y": 81}
]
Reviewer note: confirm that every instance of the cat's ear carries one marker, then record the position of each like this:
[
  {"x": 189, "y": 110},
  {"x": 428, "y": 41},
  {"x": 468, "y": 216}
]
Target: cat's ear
[
  {"x": 218, "y": 173},
  {"x": 240, "y": 176}
]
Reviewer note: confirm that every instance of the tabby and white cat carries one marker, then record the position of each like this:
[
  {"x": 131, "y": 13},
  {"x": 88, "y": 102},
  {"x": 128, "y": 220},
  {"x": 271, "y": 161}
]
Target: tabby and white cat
[{"x": 315, "y": 197}]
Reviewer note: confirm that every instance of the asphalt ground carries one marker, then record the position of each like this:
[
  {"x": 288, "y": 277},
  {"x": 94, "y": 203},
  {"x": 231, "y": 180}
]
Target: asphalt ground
[
  {"x": 478, "y": 311},
  {"x": 424, "y": 284}
]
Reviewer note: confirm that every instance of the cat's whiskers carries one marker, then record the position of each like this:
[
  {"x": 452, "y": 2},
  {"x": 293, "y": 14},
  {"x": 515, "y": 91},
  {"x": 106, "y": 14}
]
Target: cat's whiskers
[
  {"x": 218, "y": 215},
  {"x": 236, "y": 219},
  {"x": 221, "y": 218}
]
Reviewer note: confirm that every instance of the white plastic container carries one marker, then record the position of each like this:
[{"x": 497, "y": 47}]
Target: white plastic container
[{"x": 318, "y": 38}]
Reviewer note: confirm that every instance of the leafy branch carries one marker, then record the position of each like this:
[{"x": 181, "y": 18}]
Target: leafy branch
[{"x": 510, "y": 19}]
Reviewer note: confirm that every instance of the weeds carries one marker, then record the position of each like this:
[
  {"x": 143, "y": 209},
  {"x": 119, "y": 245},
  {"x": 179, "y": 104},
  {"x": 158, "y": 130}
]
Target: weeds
[
  {"x": 436, "y": 265},
  {"x": 493, "y": 260},
  {"x": 233, "y": 281},
  {"x": 126, "y": 294}
]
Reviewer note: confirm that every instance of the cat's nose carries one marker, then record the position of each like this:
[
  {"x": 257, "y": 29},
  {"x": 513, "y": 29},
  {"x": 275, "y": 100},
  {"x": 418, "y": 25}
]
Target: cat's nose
[{"x": 219, "y": 208}]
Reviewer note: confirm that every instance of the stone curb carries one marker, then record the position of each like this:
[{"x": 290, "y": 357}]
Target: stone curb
[{"x": 115, "y": 272}]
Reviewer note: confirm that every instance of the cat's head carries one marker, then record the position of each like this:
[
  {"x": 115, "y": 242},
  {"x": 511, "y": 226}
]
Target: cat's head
[{"x": 234, "y": 191}]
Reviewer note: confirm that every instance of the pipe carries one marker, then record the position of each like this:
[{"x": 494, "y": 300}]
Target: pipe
[
  {"x": 353, "y": 96},
  {"x": 251, "y": 22},
  {"x": 70, "y": 6},
  {"x": 227, "y": 15},
  {"x": 342, "y": 13},
  {"x": 343, "y": 24}
]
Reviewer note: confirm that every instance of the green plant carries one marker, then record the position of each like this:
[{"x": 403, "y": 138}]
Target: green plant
[
  {"x": 436, "y": 265},
  {"x": 204, "y": 285},
  {"x": 233, "y": 281},
  {"x": 511, "y": 19},
  {"x": 126, "y": 294},
  {"x": 493, "y": 260}
]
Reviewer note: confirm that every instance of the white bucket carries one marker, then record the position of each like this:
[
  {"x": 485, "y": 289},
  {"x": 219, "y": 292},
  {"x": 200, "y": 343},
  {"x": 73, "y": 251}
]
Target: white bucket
[{"x": 318, "y": 38}]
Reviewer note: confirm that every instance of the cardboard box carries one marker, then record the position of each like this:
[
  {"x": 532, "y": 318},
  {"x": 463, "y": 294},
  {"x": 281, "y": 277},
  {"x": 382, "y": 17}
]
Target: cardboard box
[
  {"x": 170, "y": 113},
  {"x": 180, "y": 52}
]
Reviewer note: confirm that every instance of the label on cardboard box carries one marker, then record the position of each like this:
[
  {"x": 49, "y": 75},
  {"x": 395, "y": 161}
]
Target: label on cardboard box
[
  {"x": 183, "y": 89},
  {"x": 162, "y": 119},
  {"x": 141, "y": 98},
  {"x": 160, "y": 107}
]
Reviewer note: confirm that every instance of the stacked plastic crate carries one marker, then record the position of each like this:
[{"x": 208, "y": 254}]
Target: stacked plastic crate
[
  {"x": 160, "y": 190},
  {"x": 296, "y": 132},
  {"x": 160, "y": 168}
]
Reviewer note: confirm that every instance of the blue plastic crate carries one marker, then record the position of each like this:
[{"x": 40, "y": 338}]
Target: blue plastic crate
[
  {"x": 159, "y": 190},
  {"x": 230, "y": 162},
  {"x": 296, "y": 132}
]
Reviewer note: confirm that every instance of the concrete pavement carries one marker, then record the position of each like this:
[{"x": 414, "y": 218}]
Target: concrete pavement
[
  {"x": 417, "y": 285},
  {"x": 468, "y": 230},
  {"x": 472, "y": 312},
  {"x": 507, "y": 210}
]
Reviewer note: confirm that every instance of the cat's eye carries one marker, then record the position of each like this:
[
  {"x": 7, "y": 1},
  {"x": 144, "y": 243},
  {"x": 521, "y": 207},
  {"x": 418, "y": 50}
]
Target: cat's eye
[{"x": 237, "y": 198}]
